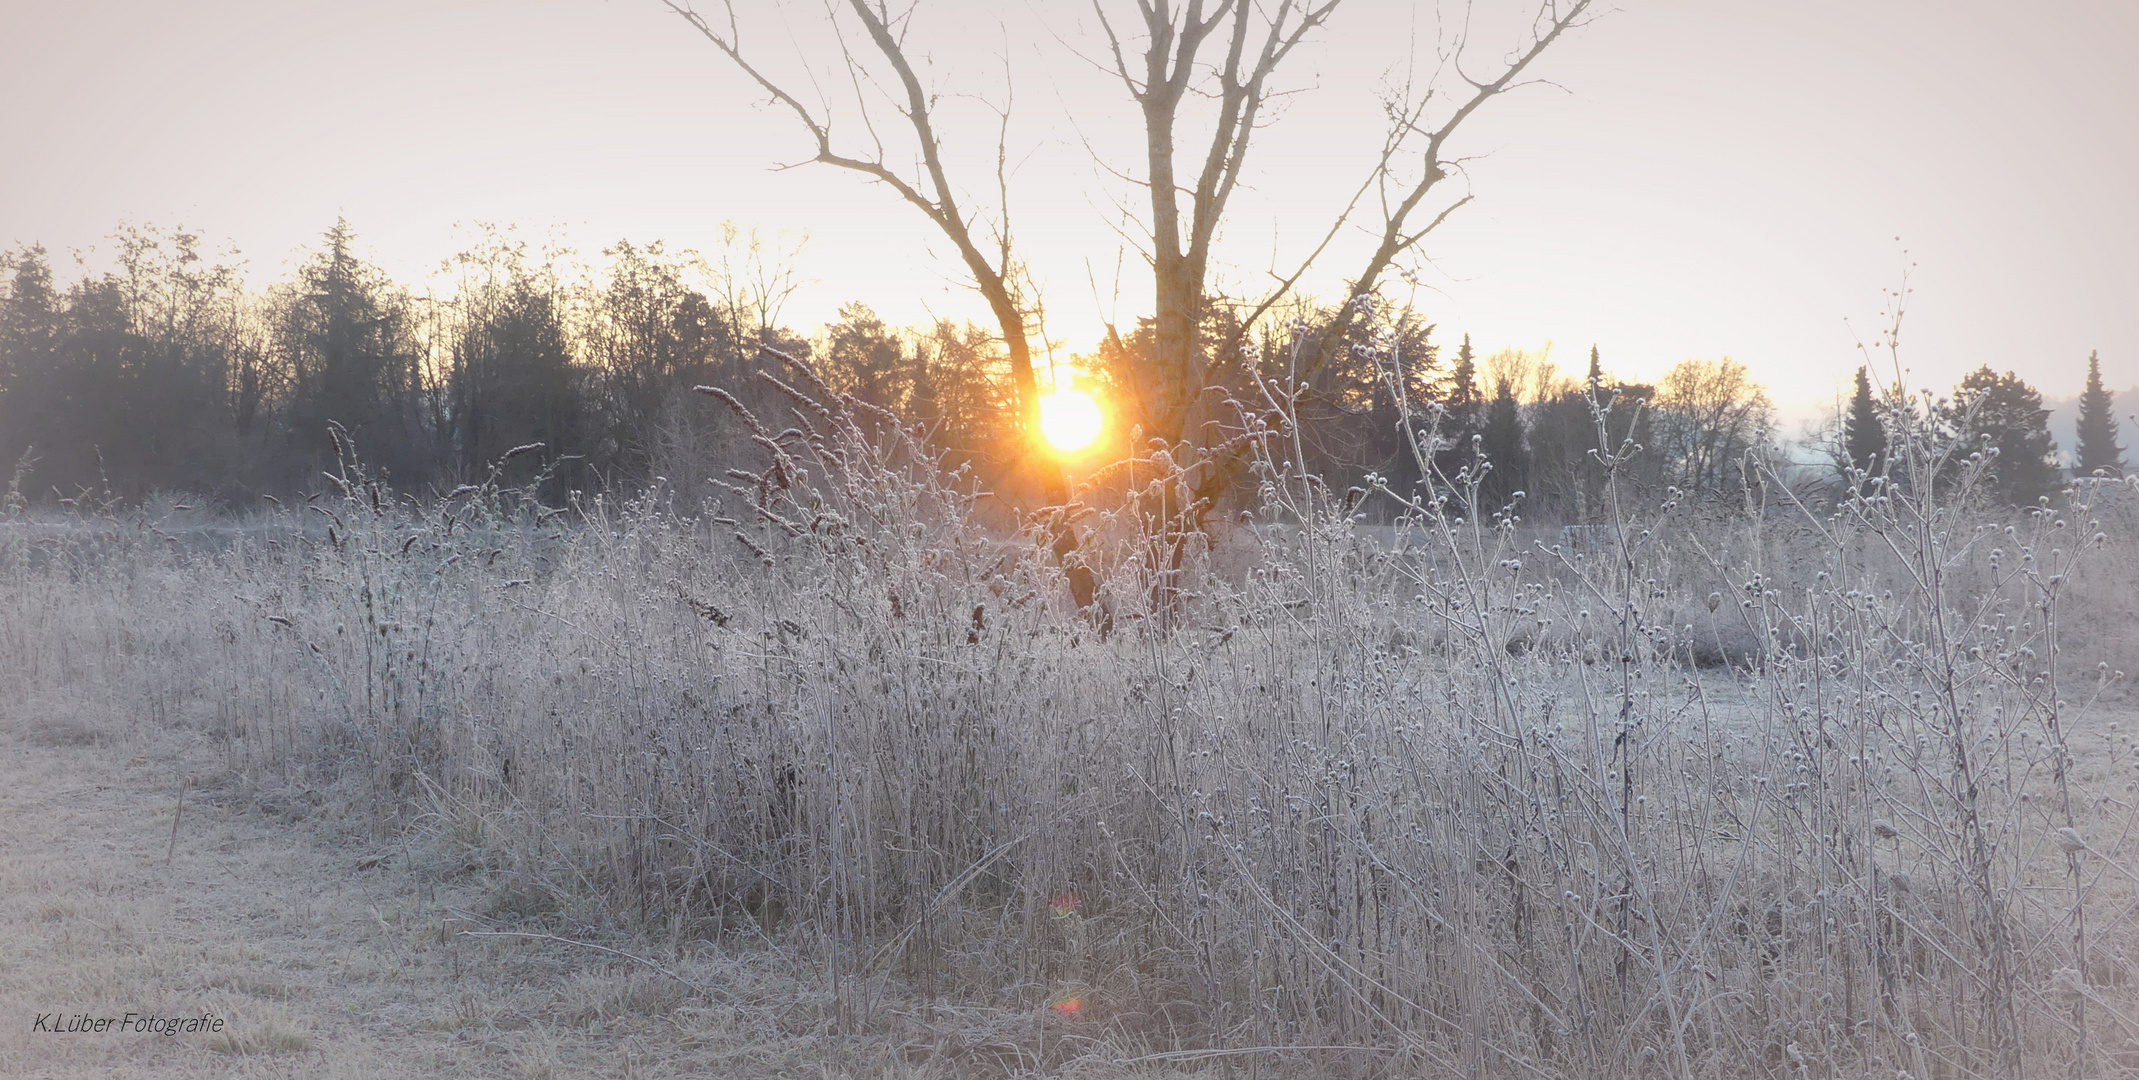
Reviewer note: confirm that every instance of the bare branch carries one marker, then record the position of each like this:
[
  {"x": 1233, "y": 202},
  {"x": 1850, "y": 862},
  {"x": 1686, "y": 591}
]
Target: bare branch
[
  {"x": 1121, "y": 64},
  {"x": 937, "y": 201},
  {"x": 732, "y": 47},
  {"x": 1231, "y": 347},
  {"x": 1551, "y": 22}
]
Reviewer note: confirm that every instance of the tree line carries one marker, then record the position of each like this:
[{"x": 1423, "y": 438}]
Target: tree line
[
  {"x": 169, "y": 374},
  {"x": 1992, "y": 420}
]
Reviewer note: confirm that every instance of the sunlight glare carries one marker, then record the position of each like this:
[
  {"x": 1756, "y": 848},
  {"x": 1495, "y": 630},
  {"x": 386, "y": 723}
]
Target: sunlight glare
[{"x": 1070, "y": 420}]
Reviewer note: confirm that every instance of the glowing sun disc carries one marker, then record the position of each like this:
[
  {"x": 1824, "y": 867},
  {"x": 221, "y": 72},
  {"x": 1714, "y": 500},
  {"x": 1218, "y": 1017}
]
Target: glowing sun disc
[{"x": 1070, "y": 420}]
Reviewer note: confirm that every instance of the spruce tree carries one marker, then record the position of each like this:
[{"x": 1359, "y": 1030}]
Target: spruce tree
[
  {"x": 350, "y": 338},
  {"x": 1589, "y": 490},
  {"x": 30, "y": 316},
  {"x": 1462, "y": 390},
  {"x": 2099, "y": 451},
  {"x": 1501, "y": 442},
  {"x": 1464, "y": 412},
  {"x": 1863, "y": 434}
]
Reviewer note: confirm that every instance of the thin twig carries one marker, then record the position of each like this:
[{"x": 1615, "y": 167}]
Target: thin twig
[
  {"x": 176, "y": 816},
  {"x": 639, "y": 960}
]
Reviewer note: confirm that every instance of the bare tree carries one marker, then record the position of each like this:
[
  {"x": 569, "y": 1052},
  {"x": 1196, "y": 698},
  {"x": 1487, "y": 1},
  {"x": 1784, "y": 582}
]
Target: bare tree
[
  {"x": 1532, "y": 377},
  {"x": 1257, "y": 38},
  {"x": 995, "y": 272},
  {"x": 752, "y": 279},
  {"x": 1166, "y": 54},
  {"x": 1158, "y": 81},
  {"x": 1709, "y": 415}
]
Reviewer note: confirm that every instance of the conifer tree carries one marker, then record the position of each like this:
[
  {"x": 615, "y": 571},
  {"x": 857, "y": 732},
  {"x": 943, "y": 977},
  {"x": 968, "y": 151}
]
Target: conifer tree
[
  {"x": 1464, "y": 415},
  {"x": 1589, "y": 489},
  {"x": 349, "y": 336},
  {"x": 1501, "y": 441},
  {"x": 512, "y": 380},
  {"x": 1462, "y": 390},
  {"x": 2002, "y": 413},
  {"x": 2099, "y": 451},
  {"x": 30, "y": 312},
  {"x": 1863, "y": 433}
]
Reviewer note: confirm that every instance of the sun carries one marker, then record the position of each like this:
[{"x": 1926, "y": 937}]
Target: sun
[{"x": 1070, "y": 420}]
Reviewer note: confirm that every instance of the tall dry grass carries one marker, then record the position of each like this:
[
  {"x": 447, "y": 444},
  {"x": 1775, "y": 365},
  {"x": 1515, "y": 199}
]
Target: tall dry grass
[{"x": 1775, "y": 790}]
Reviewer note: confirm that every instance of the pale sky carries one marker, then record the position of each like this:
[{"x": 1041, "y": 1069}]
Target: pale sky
[{"x": 1705, "y": 178}]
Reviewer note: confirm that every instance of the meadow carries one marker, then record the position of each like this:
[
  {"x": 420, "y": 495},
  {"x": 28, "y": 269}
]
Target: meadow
[{"x": 1820, "y": 783}]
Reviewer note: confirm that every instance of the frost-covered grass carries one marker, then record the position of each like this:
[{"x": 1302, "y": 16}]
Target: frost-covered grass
[{"x": 1794, "y": 792}]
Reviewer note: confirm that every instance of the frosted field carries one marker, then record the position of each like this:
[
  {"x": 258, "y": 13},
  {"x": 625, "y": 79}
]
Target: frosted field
[{"x": 1741, "y": 797}]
